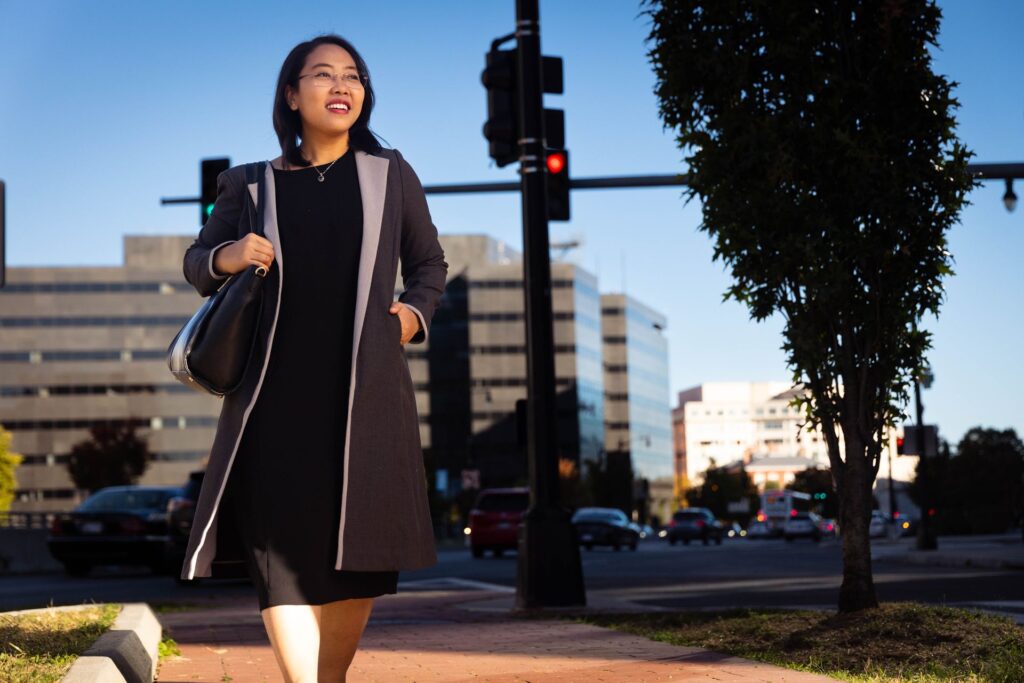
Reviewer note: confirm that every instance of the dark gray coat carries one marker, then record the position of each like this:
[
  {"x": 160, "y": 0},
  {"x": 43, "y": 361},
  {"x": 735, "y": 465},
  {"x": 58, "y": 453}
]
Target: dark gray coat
[{"x": 385, "y": 520}]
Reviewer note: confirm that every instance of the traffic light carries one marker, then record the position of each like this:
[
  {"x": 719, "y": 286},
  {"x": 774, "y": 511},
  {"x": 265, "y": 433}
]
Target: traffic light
[
  {"x": 923, "y": 441},
  {"x": 209, "y": 169},
  {"x": 501, "y": 80},
  {"x": 558, "y": 184}
]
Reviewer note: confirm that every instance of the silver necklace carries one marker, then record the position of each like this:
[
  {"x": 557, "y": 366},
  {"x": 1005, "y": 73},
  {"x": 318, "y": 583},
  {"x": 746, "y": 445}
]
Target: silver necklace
[{"x": 321, "y": 173}]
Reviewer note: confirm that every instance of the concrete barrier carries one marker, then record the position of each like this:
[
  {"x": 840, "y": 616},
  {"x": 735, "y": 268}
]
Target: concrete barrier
[{"x": 131, "y": 646}]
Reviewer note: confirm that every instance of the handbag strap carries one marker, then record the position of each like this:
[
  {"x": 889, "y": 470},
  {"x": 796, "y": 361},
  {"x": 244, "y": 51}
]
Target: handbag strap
[{"x": 255, "y": 172}]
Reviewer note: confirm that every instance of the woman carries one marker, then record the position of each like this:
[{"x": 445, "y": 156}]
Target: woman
[{"x": 316, "y": 467}]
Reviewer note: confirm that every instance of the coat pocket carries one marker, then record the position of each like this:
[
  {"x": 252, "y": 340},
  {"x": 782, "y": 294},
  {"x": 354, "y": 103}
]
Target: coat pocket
[{"x": 396, "y": 323}]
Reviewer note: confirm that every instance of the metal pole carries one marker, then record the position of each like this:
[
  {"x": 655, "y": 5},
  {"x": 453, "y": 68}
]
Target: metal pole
[
  {"x": 925, "y": 535},
  {"x": 548, "y": 564},
  {"x": 892, "y": 499}
]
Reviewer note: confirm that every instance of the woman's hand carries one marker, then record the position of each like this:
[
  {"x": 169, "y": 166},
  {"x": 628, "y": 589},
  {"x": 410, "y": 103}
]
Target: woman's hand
[
  {"x": 409, "y": 320},
  {"x": 251, "y": 250}
]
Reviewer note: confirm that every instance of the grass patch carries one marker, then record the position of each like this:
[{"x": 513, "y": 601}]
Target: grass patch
[
  {"x": 168, "y": 648},
  {"x": 41, "y": 647},
  {"x": 903, "y": 642}
]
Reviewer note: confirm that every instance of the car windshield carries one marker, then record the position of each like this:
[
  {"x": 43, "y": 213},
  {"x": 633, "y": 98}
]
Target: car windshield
[
  {"x": 503, "y": 502},
  {"x": 128, "y": 499},
  {"x": 688, "y": 516},
  {"x": 598, "y": 516},
  {"x": 801, "y": 516}
]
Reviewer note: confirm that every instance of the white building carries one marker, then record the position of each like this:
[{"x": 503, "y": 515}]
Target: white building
[{"x": 753, "y": 423}]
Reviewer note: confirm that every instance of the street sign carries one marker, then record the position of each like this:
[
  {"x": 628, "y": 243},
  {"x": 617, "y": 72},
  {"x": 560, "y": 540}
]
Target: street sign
[
  {"x": 739, "y": 506},
  {"x": 922, "y": 441}
]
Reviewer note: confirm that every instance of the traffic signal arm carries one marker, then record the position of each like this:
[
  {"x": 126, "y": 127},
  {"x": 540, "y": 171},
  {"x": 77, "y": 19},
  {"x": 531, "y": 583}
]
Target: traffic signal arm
[{"x": 221, "y": 228}]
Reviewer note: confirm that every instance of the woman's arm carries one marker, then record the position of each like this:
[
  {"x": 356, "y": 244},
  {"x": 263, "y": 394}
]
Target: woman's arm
[
  {"x": 221, "y": 229},
  {"x": 424, "y": 269}
]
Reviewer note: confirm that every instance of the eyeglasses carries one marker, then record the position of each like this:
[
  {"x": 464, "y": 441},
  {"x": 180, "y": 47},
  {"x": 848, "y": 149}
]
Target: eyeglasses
[{"x": 325, "y": 79}]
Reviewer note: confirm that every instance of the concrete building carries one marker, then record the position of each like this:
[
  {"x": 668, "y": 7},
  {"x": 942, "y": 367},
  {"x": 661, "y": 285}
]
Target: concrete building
[
  {"x": 722, "y": 423},
  {"x": 87, "y": 345}
]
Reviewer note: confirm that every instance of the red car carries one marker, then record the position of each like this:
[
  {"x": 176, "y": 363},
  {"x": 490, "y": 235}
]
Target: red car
[{"x": 494, "y": 520}]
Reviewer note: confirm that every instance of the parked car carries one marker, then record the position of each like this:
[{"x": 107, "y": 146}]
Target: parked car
[
  {"x": 762, "y": 529},
  {"x": 802, "y": 525},
  {"x": 604, "y": 526},
  {"x": 115, "y": 525},
  {"x": 494, "y": 520},
  {"x": 694, "y": 524},
  {"x": 181, "y": 509},
  {"x": 879, "y": 524}
]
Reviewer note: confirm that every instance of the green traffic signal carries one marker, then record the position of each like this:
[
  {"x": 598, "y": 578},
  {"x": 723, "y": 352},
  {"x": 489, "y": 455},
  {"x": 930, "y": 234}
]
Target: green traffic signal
[{"x": 209, "y": 170}]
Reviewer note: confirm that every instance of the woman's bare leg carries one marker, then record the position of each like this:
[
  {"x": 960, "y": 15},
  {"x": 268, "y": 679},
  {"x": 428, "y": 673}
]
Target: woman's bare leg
[
  {"x": 341, "y": 626},
  {"x": 294, "y": 632}
]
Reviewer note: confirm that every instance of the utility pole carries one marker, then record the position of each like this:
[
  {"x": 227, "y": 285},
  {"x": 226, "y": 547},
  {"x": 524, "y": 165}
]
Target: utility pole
[
  {"x": 925, "y": 534},
  {"x": 549, "y": 571}
]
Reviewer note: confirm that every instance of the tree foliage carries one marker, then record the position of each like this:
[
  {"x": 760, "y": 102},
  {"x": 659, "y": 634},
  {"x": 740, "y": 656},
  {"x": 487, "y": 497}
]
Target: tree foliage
[
  {"x": 9, "y": 462},
  {"x": 114, "y": 455},
  {"x": 817, "y": 481},
  {"x": 721, "y": 486},
  {"x": 981, "y": 488},
  {"x": 822, "y": 147}
]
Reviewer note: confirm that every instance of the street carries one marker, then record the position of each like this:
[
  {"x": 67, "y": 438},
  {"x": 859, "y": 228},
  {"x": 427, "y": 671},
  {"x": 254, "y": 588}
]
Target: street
[{"x": 739, "y": 573}]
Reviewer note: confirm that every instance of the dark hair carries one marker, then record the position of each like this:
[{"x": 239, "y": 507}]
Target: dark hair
[{"x": 288, "y": 123}]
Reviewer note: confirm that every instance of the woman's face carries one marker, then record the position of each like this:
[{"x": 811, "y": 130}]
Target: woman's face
[{"x": 321, "y": 101}]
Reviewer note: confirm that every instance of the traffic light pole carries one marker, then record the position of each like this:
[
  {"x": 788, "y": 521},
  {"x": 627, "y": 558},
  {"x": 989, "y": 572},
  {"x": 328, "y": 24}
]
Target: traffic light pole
[
  {"x": 926, "y": 539},
  {"x": 548, "y": 568}
]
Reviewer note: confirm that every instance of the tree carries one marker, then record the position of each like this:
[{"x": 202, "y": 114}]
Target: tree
[
  {"x": 981, "y": 489},
  {"x": 822, "y": 147},
  {"x": 817, "y": 482},
  {"x": 721, "y": 486},
  {"x": 113, "y": 455},
  {"x": 9, "y": 462}
]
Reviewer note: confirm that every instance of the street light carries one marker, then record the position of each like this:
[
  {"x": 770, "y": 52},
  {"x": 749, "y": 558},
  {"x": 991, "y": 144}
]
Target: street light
[{"x": 1009, "y": 199}]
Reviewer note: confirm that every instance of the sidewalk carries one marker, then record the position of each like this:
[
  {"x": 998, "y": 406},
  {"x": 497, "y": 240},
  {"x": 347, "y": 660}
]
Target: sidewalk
[
  {"x": 451, "y": 636},
  {"x": 993, "y": 551}
]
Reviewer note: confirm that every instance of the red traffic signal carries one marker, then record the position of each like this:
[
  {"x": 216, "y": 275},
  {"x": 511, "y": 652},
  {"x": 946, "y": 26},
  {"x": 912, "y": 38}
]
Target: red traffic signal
[{"x": 557, "y": 163}]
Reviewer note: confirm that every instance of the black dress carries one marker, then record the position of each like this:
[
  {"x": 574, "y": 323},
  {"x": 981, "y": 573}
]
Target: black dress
[{"x": 286, "y": 479}]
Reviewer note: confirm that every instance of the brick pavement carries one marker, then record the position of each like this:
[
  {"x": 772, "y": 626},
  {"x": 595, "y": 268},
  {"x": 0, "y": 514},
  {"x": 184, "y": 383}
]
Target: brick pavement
[{"x": 429, "y": 636}]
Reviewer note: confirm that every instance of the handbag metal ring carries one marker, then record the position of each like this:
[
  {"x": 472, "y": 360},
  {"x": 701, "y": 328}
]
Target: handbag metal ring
[{"x": 261, "y": 271}]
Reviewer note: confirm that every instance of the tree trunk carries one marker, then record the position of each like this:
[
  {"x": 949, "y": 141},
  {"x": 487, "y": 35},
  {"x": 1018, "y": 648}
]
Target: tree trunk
[{"x": 858, "y": 589}]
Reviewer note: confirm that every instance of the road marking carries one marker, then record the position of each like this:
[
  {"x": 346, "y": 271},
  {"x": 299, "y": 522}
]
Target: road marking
[{"x": 456, "y": 582}]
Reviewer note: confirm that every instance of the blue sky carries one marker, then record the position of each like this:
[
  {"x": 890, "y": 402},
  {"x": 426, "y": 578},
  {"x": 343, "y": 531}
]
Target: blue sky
[{"x": 108, "y": 106}]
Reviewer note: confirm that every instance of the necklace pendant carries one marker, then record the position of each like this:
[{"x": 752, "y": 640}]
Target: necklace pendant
[{"x": 320, "y": 179}]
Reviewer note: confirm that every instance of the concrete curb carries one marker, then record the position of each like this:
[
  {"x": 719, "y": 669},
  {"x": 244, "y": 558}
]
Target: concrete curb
[
  {"x": 940, "y": 560},
  {"x": 127, "y": 653}
]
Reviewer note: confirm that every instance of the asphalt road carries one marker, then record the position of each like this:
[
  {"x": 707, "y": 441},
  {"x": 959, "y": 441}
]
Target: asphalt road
[{"x": 740, "y": 572}]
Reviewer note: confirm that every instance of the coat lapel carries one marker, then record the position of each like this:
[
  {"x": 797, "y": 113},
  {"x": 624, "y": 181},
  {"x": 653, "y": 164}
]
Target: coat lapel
[
  {"x": 269, "y": 212},
  {"x": 372, "y": 172}
]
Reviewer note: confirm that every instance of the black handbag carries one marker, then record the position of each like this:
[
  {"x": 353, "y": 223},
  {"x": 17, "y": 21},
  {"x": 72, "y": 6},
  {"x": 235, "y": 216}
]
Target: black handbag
[{"x": 212, "y": 350}]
